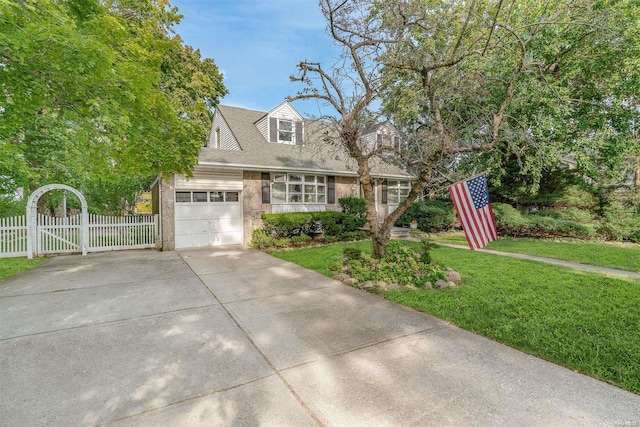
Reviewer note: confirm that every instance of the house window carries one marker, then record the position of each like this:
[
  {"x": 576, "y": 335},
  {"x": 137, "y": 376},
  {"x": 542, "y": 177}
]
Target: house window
[
  {"x": 397, "y": 191},
  {"x": 207, "y": 196},
  {"x": 298, "y": 188},
  {"x": 216, "y": 143},
  {"x": 285, "y": 131},
  {"x": 231, "y": 196},
  {"x": 216, "y": 196},
  {"x": 223, "y": 196},
  {"x": 200, "y": 196},
  {"x": 183, "y": 196}
]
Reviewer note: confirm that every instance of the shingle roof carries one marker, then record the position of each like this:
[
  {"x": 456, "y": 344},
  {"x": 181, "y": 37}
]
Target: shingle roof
[{"x": 259, "y": 154}]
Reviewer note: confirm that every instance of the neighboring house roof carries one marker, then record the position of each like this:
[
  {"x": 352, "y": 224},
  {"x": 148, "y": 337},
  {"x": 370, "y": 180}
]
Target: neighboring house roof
[{"x": 252, "y": 151}]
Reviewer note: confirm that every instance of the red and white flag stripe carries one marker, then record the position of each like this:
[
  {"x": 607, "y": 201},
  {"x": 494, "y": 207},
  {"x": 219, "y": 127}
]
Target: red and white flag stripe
[{"x": 471, "y": 200}]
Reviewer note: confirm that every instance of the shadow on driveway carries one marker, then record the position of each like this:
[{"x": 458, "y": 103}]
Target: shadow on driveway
[{"x": 232, "y": 336}]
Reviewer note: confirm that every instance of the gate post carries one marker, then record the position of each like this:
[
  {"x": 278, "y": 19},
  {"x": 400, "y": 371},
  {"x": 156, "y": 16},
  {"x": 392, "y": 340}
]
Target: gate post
[{"x": 32, "y": 217}]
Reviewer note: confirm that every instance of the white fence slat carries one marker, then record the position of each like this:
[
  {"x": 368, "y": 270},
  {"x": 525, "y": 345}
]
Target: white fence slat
[
  {"x": 63, "y": 235},
  {"x": 13, "y": 236}
]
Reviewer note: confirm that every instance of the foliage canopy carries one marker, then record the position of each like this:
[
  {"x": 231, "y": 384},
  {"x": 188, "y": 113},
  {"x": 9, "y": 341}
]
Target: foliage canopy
[
  {"x": 99, "y": 94},
  {"x": 482, "y": 85}
]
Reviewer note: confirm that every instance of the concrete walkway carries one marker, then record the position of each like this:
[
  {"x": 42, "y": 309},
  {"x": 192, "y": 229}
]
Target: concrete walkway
[
  {"x": 233, "y": 337},
  {"x": 604, "y": 270}
]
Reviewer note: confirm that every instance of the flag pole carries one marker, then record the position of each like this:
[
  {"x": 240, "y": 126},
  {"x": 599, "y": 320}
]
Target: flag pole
[{"x": 467, "y": 179}]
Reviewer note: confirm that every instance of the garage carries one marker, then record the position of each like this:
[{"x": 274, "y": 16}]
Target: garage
[{"x": 208, "y": 216}]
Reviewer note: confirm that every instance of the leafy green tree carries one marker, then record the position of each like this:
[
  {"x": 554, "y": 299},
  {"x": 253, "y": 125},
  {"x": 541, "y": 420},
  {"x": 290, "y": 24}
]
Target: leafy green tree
[
  {"x": 99, "y": 92},
  {"x": 472, "y": 83}
]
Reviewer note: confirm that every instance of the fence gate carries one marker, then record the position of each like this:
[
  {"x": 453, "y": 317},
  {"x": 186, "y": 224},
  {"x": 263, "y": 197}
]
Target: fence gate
[
  {"x": 35, "y": 234},
  {"x": 46, "y": 237},
  {"x": 58, "y": 235}
]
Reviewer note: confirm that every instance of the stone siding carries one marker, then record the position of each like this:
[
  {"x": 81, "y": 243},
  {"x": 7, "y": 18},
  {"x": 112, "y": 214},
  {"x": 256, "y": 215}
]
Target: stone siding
[
  {"x": 167, "y": 202},
  {"x": 252, "y": 205}
]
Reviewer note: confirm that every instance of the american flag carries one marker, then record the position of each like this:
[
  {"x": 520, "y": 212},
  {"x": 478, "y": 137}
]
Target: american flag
[{"x": 471, "y": 200}]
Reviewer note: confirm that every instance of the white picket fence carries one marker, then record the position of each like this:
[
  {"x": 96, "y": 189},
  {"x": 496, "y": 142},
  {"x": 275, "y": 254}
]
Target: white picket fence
[
  {"x": 63, "y": 235},
  {"x": 13, "y": 236},
  {"x": 122, "y": 232}
]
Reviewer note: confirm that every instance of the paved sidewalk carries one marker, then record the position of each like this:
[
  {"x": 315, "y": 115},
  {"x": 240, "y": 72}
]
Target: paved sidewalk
[
  {"x": 605, "y": 270},
  {"x": 230, "y": 336}
]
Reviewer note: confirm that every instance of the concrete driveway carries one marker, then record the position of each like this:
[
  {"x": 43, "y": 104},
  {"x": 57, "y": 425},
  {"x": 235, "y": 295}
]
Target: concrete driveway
[{"x": 233, "y": 337}]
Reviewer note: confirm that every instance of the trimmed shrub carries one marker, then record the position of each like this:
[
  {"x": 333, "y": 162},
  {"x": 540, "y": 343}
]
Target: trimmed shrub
[
  {"x": 260, "y": 239},
  {"x": 355, "y": 208},
  {"x": 512, "y": 223},
  {"x": 289, "y": 224},
  {"x": 300, "y": 240},
  {"x": 431, "y": 215},
  {"x": 353, "y": 205},
  {"x": 507, "y": 217},
  {"x": 330, "y": 223},
  {"x": 569, "y": 214},
  {"x": 620, "y": 224}
]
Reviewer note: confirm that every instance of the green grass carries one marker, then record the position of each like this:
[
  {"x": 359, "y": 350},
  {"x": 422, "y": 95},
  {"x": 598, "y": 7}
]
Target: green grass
[
  {"x": 584, "y": 321},
  {"x": 12, "y": 266},
  {"x": 611, "y": 255}
]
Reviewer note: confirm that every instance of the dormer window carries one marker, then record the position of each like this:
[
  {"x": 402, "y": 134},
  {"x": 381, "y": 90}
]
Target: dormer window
[
  {"x": 388, "y": 140},
  {"x": 285, "y": 131}
]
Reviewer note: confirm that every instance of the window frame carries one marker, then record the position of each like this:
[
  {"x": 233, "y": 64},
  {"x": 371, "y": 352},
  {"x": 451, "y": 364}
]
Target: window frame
[
  {"x": 395, "y": 190},
  {"x": 291, "y": 132},
  {"x": 226, "y": 194},
  {"x": 302, "y": 189},
  {"x": 217, "y": 137}
]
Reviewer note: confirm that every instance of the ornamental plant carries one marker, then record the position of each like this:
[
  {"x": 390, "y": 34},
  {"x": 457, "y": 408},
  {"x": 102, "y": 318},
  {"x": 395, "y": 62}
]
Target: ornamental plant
[{"x": 400, "y": 265}]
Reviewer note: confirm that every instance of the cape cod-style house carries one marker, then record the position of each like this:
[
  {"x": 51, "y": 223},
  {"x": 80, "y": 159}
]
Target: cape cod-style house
[{"x": 255, "y": 162}]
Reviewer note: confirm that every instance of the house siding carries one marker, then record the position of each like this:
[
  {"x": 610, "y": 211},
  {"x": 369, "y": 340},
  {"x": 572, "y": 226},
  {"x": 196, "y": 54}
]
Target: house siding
[
  {"x": 252, "y": 203},
  {"x": 383, "y": 208},
  {"x": 228, "y": 140},
  {"x": 263, "y": 126},
  {"x": 210, "y": 179}
]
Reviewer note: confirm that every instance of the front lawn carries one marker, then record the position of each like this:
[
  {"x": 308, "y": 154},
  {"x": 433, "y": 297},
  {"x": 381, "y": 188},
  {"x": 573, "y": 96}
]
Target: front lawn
[
  {"x": 584, "y": 321},
  {"x": 12, "y": 266},
  {"x": 621, "y": 256}
]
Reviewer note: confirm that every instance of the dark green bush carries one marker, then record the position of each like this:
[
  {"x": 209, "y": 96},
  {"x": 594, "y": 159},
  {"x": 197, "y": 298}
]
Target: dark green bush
[
  {"x": 289, "y": 224},
  {"x": 550, "y": 227},
  {"x": 354, "y": 206},
  {"x": 431, "y": 215},
  {"x": 507, "y": 217},
  {"x": 510, "y": 222},
  {"x": 571, "y": 214},
  {"x": 331, "y": 223},
  {"x": 620, "y": 224}
]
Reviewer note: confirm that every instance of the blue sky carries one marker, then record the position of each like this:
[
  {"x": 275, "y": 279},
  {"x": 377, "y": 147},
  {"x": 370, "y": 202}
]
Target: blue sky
[{"x": 257, "y": 44}]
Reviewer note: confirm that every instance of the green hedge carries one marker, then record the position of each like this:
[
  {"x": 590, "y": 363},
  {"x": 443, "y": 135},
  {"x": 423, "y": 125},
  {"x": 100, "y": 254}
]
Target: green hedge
[
  {"x": 431, "y": 215},
  {"x": 620, "y": 224},
  {"x": 511, "y": 222},
  {"x": 306, "y": 223},
  {"x": 331, "y": 223}
]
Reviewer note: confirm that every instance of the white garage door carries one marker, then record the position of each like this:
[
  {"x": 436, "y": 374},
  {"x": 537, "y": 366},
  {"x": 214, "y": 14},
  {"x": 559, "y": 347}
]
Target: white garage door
[{"x": 207, "y": 218}]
